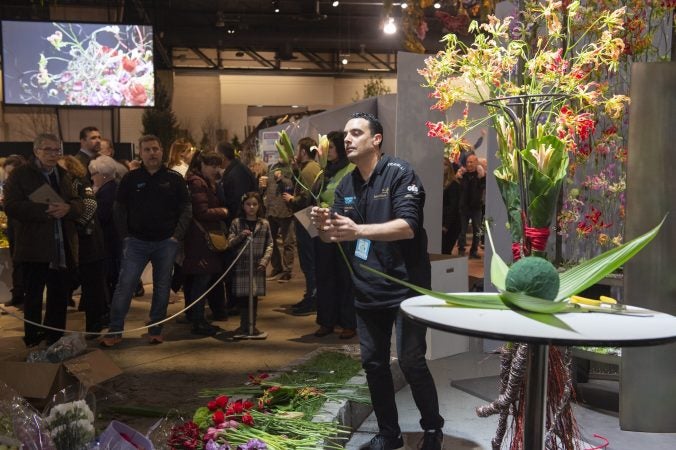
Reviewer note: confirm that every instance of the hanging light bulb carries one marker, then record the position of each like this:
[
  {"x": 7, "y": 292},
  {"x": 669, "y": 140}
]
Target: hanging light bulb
[
  {"x": 344, "y": 61},
  {"x": 437, "y": 5},
  {"x": 390, "y": 27},
  {"x": 404, "y": 5},
  {"x": 335, "y": 3}
]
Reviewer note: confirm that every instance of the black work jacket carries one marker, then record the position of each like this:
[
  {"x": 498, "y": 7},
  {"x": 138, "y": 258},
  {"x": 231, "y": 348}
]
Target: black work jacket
[
  {"x": 393, "y": 191},
  {"x": 152, "y": 207}
]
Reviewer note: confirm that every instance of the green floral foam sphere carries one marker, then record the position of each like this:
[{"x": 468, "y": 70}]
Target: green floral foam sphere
[{"x": 534, "y": 276}]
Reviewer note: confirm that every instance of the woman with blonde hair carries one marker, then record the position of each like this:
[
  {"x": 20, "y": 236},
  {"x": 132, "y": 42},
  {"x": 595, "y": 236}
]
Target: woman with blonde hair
[{"x": 180, "y": 155}]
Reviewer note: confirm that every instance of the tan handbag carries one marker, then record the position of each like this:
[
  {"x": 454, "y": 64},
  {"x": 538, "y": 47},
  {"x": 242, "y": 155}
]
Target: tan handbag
[{"x": 217, "y": 240}]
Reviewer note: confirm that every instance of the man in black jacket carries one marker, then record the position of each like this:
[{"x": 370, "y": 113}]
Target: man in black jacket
[
  {"x": 236, "y": 181},
  {"x": 378, "y": 213},
  {"x": 152, "y": 212}
]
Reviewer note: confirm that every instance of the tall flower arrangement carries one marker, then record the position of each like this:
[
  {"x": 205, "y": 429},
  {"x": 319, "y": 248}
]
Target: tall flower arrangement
[
  {"x": 542, "y": 96},
  {"x": 545, "y": 83},
  {"x": 594, "y": 193}
]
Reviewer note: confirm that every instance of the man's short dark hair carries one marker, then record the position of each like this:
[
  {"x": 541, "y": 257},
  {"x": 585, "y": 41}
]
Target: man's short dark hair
[
  {"x": 226, "y": 149},
  {"x": 148, "y": 138},
  {"x": 85, "y": 131},
  {"x": 307, "y": 144},
  {"x": 374, "y": 124}
]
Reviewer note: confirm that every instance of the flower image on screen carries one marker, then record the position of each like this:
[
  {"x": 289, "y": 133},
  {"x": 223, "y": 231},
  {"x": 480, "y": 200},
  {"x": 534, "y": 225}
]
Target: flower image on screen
[{"x": 77, "y": 64}]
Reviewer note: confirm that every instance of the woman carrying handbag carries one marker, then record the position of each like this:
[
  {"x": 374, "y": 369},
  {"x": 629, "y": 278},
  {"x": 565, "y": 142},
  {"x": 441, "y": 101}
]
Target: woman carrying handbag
[{"x": 203, "y": 263}]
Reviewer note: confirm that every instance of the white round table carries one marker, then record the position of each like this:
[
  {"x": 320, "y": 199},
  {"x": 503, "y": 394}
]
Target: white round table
[{"x": 644, "y": 328}]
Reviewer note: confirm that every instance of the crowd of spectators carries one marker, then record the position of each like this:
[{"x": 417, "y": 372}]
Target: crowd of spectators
[{"x": 110, "y": 218}]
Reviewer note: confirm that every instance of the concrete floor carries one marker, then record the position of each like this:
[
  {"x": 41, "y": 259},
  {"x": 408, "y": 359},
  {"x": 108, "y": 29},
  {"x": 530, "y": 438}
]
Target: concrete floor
[
  {"x": 463, "y": 430},
  {"x": 171, "y": 375}
]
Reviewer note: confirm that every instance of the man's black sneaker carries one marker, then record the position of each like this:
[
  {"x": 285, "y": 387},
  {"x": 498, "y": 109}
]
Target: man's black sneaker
[
  {"x": 284, "y": 278},
  {"x": 432, "y": 440},
  {"x": 380, "y": 442},
  {"x": 205, "y": 329},
  {"x": 305, "y": 310},
  {"x": 301, "y": 303}
]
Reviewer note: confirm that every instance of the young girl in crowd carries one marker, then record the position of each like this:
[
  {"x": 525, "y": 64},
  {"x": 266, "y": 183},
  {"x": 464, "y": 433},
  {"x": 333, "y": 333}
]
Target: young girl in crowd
[{"x": 250, "y": 225}]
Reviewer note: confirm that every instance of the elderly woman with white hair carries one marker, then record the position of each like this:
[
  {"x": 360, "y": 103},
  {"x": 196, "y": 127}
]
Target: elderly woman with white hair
[{"x": 102, "y": 170}]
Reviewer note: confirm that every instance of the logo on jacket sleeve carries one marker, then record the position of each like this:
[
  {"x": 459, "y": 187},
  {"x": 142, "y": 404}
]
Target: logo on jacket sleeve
[{"x": 412, "y": 188}]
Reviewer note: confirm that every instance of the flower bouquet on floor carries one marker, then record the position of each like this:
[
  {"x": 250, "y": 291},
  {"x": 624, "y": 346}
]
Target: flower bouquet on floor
[
  {"x": 21, "y": 426},
  {"x": 69, "y": 417}
]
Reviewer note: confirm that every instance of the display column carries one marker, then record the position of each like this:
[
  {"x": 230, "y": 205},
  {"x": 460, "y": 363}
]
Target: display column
[{"x": 648, "y": 374}]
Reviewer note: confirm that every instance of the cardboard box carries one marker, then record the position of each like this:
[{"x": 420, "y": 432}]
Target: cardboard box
[{"x": 38, "y": 382}]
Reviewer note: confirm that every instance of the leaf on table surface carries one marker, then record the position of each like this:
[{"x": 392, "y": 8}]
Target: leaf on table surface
[
  {"x": 533, "y": 304},
  {"x": 546, "y": 319},
  {"x": 465, "y": 299}
]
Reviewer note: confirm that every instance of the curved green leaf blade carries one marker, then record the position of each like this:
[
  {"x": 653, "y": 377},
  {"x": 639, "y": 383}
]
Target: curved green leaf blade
[
  {"x": 590, "y": 272},
  {"x": 532, "y": 304},
  {"x": 465, "y": 299},
  {"x": 498, "y": 267},
  {"x": 547, "y": 319}
]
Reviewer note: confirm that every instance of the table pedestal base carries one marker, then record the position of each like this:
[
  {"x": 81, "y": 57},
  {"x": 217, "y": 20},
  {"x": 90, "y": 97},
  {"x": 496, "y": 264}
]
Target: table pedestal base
[{"x": 536, "y": 397}]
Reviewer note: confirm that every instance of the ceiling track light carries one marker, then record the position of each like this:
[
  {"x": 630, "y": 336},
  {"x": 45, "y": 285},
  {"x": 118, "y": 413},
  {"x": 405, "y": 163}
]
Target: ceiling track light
[
  {"x": 275, "y": 6},
  {"x": 404, "y": 5},
  {"x": 335, "y": 3},
  {"x": 390, "y": 27}
]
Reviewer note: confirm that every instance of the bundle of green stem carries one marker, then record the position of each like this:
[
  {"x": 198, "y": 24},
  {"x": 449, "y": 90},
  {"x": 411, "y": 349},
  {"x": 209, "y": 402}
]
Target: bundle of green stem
[{"x": 328, "y": 391}]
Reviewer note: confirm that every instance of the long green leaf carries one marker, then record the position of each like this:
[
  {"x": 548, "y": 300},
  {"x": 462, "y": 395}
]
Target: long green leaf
[
  {"x": 467, "y": 300},
  {"x": 547, "y": 319},
  {"x": 580, "y": 277},
  {"x": 498, "y": 266},
  {"x": 532, "y": 304}
]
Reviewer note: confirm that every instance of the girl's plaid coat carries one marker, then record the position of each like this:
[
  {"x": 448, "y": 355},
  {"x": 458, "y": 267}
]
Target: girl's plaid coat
[{"x": 262, "y": 251}]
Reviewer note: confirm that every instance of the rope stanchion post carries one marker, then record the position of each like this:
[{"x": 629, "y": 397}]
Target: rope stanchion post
[{"x": 251, "y": 288}]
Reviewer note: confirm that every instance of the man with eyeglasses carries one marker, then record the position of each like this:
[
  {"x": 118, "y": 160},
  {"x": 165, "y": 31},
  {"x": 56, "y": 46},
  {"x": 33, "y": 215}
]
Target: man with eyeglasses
[{"x": 40, "y": 197}]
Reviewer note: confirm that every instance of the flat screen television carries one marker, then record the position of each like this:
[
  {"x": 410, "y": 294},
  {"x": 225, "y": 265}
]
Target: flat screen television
[{"x": 77, "y": 64}]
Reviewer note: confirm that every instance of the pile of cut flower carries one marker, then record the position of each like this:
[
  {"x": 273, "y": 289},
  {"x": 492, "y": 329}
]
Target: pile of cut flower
[{"x": 265, "y": 414}]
